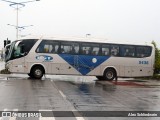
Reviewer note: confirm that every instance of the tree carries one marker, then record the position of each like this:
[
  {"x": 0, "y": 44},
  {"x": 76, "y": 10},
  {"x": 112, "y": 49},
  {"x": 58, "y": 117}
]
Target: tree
[{"x": 157, "y": 58}]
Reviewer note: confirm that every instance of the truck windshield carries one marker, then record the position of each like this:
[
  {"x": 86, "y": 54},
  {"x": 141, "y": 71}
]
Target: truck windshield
[{"x": 20, "y": 48}]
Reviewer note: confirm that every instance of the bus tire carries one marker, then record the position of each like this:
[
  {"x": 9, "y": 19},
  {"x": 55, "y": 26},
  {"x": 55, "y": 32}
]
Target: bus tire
[
  {"x": 100, "y": 77},
  {"x": 30, "y": 75},
  {"x": 109, "y": 74},
  {"x": 37, "y": 72}
]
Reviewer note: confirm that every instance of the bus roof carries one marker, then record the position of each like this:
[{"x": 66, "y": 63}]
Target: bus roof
[{"x": 87, "y": 39}]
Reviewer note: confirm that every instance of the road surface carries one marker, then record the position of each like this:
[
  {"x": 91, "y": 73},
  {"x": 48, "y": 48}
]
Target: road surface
[{"x": 78, "y": 98}]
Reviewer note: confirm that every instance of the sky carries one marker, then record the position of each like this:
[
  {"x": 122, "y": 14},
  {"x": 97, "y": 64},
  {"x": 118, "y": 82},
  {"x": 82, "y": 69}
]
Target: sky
[{"x": 133, "y": 21}]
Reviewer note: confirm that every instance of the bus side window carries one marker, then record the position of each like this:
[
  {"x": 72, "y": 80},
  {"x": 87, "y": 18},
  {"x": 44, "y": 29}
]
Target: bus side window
[
  {"x": 114, "y": 50},
  {"x": 75, "y": 48},
  {"x": 55, "y": 47},
  {"x": 143, "y": 51},
  {"x": 86, "y": 50},
  {"x": 95, "y": 49},
  {"x": 105, "y": 50},
  {"x": 46, "y": 49},
  {"x": 40, "y": 48},
  {"x": 66, "y": 48},
  {"x": 48, "y": 46},
  {"x": 127, "y": 51}
]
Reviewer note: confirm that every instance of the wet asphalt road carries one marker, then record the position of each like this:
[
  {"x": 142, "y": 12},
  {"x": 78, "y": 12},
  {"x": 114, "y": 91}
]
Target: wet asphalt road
[{"x": 78, "y": 93}]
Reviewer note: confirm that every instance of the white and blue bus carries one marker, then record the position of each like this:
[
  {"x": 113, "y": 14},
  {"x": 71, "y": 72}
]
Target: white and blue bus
[{"x": 80, "y": 56}]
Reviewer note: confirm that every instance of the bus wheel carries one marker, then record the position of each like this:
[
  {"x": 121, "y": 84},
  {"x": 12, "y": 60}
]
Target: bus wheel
[
  {"x": 30, "y": 75},
  {"x": 100, "y": 77},
  {"x": 37, "y": 72},
  {"x": 109, "y": 74}
]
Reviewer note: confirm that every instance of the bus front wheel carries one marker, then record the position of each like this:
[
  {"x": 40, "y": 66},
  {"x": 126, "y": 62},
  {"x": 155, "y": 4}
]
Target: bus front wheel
[
  {"x": 37, "y": 72},
  {"x": 100, "y": 77},
  {"x": 109, "y": 74}
]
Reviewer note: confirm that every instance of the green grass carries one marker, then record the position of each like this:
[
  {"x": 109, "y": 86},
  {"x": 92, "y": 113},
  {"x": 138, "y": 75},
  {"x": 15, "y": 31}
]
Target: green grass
[{"x": 156, "y": 76}]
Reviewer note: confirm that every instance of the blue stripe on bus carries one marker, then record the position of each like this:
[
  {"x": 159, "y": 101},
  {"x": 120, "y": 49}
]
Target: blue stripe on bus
[{"x": 84, "y": 63}]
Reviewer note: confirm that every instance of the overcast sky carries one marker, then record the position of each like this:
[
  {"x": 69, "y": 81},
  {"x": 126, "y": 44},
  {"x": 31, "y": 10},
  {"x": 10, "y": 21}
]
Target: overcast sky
[{"x": 120, "y": 20}]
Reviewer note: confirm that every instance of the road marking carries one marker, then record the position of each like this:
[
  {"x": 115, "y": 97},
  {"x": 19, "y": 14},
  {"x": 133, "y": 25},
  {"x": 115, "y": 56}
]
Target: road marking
[
  {"x": 47, "y": 118},
  {"x": 63, "y": 95},
  {"x": 77, "y": 115},
  {"x": 80, "y": 118}
]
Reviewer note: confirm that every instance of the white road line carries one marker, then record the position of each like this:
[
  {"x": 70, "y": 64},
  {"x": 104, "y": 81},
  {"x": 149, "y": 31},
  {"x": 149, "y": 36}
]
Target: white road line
[
  {"x": 80, "y": 118},
  {"x": 63, "y": 95},
  {"x": 77, "y": 115},
  {"x": 47, "y": 118}
]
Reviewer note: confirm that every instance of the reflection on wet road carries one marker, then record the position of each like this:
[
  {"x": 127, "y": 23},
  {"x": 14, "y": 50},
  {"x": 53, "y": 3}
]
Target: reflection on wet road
[
  {"x": 68, "y": 93},
  {"x": 107, "y": 96}
]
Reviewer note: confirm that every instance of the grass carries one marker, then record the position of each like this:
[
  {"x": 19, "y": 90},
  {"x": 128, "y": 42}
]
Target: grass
[{"x": 156, "y": 76}]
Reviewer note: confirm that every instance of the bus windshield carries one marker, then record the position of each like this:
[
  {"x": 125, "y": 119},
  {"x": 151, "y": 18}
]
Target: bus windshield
[
  {"x": 20, "y": 48},
  {"x": 6, "y": 52}
]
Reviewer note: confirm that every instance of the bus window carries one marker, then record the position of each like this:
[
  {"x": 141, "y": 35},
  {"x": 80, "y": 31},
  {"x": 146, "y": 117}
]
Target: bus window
[
  {"x": 90, "y": 49},
  {"x": 48, "y": 46},
  {"x": 114, "y": 50},
  {"x": 127, "y": 51},
  {"x": 75, "y": 48},
  {"x": 86, "y": 49},
  {"x": 95, "y": 49},
  {"x": 66, "y": 47},
  {"x": 143, "y": 51},
  {"x": 54, "y": 47},
  {"x": 105, "y": 50}
]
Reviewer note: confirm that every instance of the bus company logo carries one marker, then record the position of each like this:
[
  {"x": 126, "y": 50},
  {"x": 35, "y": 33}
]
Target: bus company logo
[{"x": 44, "y": 58}]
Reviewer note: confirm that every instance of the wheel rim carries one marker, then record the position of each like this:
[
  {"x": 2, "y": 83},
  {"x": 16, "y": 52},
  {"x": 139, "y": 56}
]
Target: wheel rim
[
  {"x": 109, "y": 75},
  {"x": 38, "y": 72}
]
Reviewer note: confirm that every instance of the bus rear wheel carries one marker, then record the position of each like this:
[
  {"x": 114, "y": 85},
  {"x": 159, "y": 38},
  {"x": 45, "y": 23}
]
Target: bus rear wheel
[
  {"x": 109, "y": 74},
  {"x": 37, "y": 72}
]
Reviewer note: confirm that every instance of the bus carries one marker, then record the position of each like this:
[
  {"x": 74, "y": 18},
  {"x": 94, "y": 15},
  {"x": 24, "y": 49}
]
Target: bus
[{"x": 80, "y": 56}]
